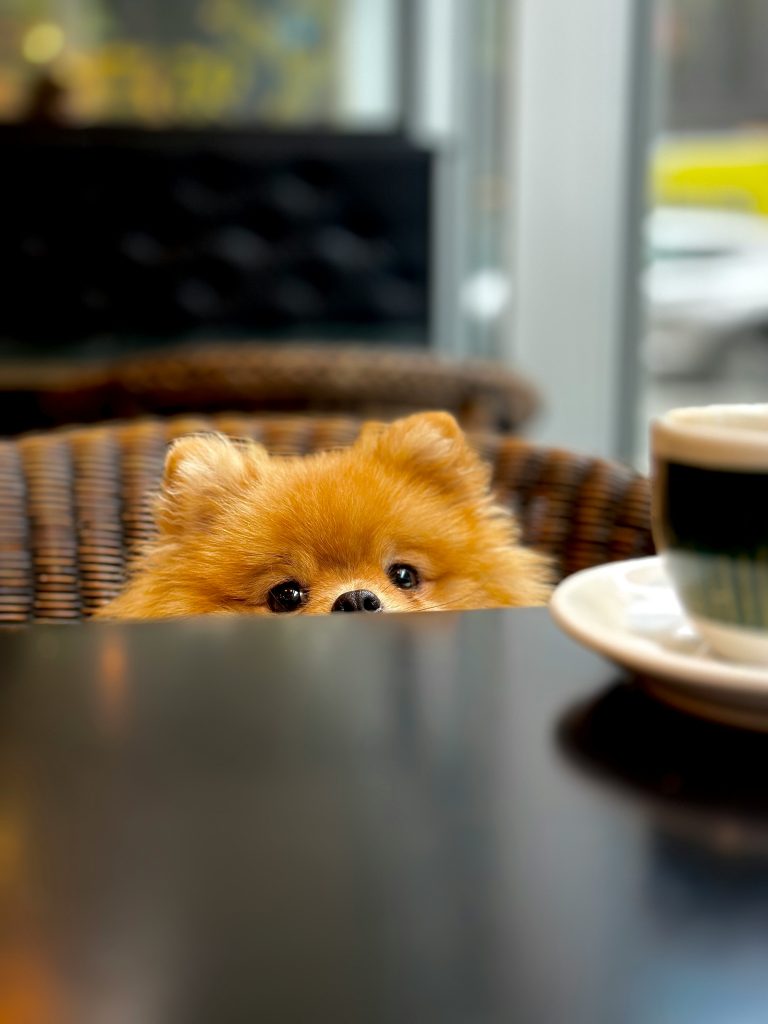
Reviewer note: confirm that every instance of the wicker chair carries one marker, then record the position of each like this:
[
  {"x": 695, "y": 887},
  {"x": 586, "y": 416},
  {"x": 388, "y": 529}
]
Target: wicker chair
[
  {"x": 74, "y": 503},
  {"x": 364, "y": 381}
]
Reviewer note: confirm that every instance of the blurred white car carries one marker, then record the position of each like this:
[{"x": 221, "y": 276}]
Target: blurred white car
[{"x": 706, "y": 286}]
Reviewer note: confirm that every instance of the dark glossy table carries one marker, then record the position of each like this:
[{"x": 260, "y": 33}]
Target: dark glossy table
[{"x": 439, "y": 818}]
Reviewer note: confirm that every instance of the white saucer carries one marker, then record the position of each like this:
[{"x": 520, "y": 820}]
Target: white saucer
[{"x": 628, "y": 612}]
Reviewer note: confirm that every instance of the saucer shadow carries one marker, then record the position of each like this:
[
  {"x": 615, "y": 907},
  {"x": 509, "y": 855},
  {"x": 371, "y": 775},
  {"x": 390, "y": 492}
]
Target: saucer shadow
[{"x": 629, "y": 738}]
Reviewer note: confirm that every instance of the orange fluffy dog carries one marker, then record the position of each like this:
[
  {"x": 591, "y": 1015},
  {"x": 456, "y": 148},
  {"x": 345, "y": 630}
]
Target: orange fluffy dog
[{"x": 402, "y": 521}]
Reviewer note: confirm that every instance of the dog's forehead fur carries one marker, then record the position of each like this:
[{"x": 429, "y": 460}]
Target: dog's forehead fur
[{"x": 343, "y": 508}]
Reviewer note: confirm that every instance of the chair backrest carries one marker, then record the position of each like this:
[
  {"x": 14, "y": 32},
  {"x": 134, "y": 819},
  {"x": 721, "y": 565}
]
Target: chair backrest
[
  {"x": 75, "y": 503},
  {"x": 230, "y": 230},
  {"x": 358, "y": 380}
]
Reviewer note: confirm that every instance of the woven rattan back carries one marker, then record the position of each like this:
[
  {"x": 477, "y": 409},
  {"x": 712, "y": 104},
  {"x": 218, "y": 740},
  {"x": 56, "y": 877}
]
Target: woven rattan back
[
  {"x": 362, "y": 381},
  {"x": 75, "y": 504}
]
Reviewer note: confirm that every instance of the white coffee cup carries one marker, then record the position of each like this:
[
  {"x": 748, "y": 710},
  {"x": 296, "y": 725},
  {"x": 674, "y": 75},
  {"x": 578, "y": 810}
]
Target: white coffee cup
[{"x": 710, "y": 521}]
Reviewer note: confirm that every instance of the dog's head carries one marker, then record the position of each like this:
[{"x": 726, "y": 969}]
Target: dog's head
[{"x": 403, "y": 520}]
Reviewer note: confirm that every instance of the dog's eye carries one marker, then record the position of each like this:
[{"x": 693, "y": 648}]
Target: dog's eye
[
  {"x": 404, "y": 576},
  {"x": 286, "y": 597}
]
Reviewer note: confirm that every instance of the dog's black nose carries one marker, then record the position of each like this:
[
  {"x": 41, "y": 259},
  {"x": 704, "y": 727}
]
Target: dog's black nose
[{"x": 357, "y": 601}]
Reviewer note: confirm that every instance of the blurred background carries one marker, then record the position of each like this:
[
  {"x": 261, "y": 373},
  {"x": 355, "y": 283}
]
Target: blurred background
[
  {"x": 576, "y": 194},
  {"x": 706, "y": 281}
]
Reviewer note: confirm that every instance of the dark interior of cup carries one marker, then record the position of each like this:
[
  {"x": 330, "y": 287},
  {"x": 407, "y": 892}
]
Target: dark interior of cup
[
  {"x": 712, "y": 525},
  {"x": 712, "y": 510}
]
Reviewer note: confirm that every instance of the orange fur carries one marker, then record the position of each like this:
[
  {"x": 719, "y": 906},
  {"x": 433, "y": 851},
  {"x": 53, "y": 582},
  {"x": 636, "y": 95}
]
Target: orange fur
[{"x": 234, "y": 522}]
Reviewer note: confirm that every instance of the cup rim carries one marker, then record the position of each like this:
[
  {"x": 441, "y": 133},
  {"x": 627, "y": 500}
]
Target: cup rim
[{"x": 698, "y": 435}]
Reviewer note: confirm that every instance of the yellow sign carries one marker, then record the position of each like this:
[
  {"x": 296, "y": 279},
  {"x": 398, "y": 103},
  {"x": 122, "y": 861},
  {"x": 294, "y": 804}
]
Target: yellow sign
[{"x": 728, "y": 170}]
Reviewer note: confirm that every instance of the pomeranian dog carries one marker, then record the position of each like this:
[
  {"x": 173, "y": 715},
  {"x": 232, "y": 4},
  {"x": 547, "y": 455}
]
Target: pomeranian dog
[{"x": 403, "y": 520}]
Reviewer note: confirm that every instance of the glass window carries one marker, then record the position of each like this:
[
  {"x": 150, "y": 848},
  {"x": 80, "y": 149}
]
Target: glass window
[
  {"x": 706, "y": 282},
  {"x": 283, "y": 62}
]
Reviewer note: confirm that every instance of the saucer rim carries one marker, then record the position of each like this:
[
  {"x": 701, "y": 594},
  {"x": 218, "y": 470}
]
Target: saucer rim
[{"x": 643, "y": 656}]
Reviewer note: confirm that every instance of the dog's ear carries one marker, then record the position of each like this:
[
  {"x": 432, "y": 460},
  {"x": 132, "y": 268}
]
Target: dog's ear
[
  {"x": 202, "y": 473},
  {"x": 433, "y": 446}
]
